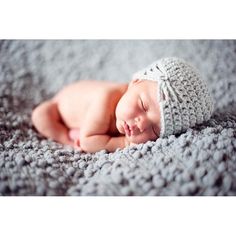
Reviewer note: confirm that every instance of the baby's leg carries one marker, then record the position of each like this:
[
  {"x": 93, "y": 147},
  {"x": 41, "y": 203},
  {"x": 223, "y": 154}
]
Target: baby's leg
[{"x": 47, "y": 121}]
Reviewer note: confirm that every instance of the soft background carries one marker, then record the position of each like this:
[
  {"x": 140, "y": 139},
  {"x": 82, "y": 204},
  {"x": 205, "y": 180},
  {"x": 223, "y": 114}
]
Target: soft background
[{"x": 201, "y": 161}]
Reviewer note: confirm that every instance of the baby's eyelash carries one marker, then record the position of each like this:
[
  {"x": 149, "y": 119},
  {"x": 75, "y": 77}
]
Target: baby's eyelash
[{"x": 144, "y": 108}]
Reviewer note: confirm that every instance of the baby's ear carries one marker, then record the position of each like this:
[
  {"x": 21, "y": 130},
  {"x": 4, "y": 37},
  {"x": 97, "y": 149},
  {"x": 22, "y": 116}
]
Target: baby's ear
[{"x": 134, "y": 81}]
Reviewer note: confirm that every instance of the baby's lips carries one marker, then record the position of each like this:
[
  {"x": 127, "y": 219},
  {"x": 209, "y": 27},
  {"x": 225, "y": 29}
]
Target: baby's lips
[
  {"x": 134, "y": 130},
  {"x": 127, "y": 130}
]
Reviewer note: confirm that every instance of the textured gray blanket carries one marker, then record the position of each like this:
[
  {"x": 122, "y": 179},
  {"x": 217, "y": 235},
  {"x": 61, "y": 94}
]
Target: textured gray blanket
[{"x": 201, "y": 161}]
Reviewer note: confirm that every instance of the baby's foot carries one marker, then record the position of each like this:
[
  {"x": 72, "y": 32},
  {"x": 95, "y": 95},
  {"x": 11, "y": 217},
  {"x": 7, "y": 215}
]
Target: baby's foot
[
  {"x": 78, "y": 148},
  {"x": 74, "y": 134}
]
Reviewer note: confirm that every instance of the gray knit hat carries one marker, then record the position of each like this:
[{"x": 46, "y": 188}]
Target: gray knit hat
[{"x": 182, "y": 94}]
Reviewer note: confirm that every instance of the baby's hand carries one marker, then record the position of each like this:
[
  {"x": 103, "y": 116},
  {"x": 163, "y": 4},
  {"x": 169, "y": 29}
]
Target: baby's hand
[
  {"x": 128, "y": 143},
  {"x": 132, "y": 144},
  {"x": 77, "y": 145}
]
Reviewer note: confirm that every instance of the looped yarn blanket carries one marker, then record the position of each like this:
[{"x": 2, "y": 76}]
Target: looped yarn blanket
[{"x": 200, "y": 161}]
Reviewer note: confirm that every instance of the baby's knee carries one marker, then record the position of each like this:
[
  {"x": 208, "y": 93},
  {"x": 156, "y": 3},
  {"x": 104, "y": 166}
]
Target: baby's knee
[
  {"x": 35, "y": 116},
  {"x": 46, "y": 111}
]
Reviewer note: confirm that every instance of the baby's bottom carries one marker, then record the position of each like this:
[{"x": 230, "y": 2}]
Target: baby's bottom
[{"x": 48, "y": 122}]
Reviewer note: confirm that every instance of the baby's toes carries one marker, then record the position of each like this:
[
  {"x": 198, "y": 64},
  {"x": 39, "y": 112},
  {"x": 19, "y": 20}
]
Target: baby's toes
[{"x": 77, "y": 145}]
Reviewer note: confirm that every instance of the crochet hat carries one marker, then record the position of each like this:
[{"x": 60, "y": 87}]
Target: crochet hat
[{"x": 183, "y": 96}]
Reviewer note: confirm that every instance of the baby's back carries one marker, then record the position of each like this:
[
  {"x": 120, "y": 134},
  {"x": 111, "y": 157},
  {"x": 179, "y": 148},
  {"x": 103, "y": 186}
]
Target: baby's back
[{"x": 75, "y": 99}]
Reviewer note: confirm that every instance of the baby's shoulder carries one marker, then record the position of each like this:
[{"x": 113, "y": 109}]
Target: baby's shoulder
[
  {"x": 105, "y": 95},
  {"x": 101, "y": 88}
]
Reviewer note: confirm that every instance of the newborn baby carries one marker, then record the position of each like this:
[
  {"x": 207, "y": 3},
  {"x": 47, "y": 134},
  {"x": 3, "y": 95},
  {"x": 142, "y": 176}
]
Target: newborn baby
[{"x": 165, "y": 98}]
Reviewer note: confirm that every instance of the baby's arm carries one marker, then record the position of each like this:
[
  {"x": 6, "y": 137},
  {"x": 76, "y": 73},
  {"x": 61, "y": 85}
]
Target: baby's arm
[
  {"x": 47, "y": 121},
  {"x": 94, "y": 134},
  {"x": 96, "y": 143}
]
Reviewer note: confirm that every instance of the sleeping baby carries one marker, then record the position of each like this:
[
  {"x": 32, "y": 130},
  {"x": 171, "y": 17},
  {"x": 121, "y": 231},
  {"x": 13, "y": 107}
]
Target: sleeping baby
[{"x": 167, "y": 97}]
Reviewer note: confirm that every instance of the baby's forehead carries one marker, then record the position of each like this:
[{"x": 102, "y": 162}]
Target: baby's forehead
[
  {"x": 150, "y": 88},
  {"x": 150, "y": 93}
]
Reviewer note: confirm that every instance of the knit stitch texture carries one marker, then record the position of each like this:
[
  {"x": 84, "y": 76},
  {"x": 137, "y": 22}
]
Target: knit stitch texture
[{"x": 183, "y": 96}]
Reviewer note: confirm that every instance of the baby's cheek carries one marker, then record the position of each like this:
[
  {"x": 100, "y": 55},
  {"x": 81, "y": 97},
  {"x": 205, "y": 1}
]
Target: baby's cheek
[{"x": 126, "y": 110}]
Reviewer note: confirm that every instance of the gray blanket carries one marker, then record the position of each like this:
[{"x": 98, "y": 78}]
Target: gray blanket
[{"x": 201, "y": 161}]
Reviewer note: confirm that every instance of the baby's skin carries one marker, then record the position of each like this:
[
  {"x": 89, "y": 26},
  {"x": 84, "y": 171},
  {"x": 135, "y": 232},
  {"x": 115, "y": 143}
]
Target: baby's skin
[{"x": 95, "y": 115}]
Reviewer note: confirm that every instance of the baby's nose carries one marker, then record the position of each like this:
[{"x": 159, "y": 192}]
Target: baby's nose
[{"x": 137, "y": 119}]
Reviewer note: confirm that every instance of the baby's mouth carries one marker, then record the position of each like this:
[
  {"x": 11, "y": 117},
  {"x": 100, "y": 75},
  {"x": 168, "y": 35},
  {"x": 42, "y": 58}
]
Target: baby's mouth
[{"x": 130, "y": 130}]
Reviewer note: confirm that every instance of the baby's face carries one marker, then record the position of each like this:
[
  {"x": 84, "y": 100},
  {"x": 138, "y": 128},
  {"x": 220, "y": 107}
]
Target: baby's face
[{"x": 137, "y": 112}]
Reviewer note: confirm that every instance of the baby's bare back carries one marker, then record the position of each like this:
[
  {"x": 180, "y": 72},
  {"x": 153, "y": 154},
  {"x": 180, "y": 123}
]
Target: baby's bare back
[{"x": 75, "y": 100}]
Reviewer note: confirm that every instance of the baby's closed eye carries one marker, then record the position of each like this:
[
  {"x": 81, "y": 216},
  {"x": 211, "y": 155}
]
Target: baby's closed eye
[{"x": 143, "y": 106}]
